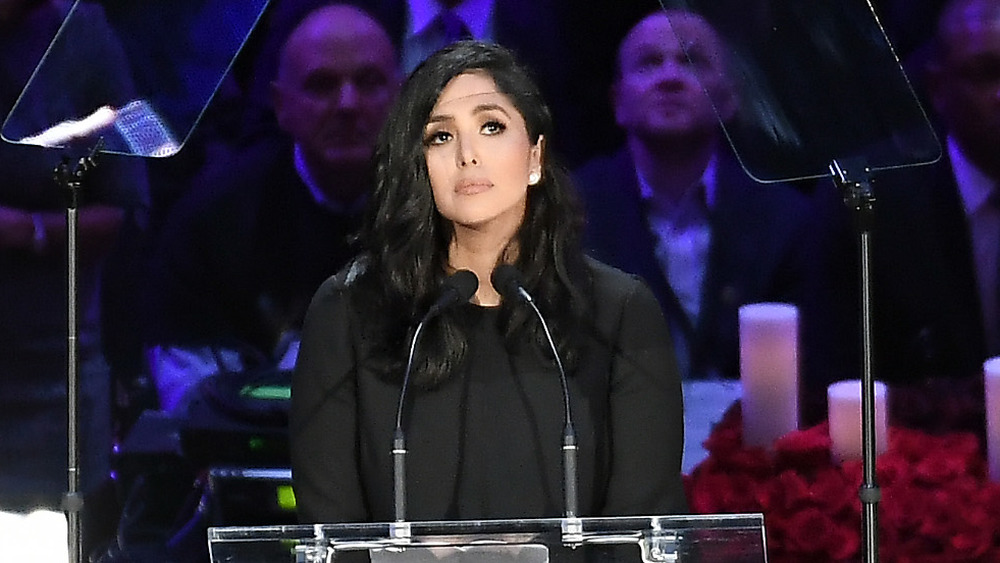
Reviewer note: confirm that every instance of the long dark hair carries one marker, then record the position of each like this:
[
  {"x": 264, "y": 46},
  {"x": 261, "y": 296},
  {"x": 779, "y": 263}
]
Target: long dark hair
[{"x": 404, "y": 240}]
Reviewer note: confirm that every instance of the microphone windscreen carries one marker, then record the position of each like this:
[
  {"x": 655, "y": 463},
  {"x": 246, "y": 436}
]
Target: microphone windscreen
[
  {"x": 463, "y": 283},
  {"x": 506, "y": 279}
]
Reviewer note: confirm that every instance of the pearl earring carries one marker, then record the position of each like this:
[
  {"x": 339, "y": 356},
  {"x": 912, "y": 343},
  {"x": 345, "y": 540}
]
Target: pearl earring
[{"x": 533, "y": 178}]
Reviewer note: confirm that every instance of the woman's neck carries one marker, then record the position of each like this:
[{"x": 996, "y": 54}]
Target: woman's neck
[{"x": 479, "y": 252}]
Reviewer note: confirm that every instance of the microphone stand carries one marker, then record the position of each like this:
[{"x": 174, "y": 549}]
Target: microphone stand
[
  {"x": 854, "y": 179},
  {"x": 572, "y": 527},
  {"x": 70, "y": 178}
]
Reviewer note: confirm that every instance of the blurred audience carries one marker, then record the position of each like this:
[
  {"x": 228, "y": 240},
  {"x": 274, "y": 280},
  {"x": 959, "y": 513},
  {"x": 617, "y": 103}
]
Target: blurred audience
[
  {"x": 241, "y": 255},
  {"x": 543, "y": 33},
  {"x": 909, "y": 24},
  {"x": 675, "y": 206},
  {"x": 33, "y": 249},
  {"x": 177, "y": 69},
  {"x": 937, "y": 230}
]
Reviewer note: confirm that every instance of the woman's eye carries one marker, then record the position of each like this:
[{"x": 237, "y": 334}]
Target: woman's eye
[
  {"x": 493, "y": 127},
  {"x": 437, "y": 138}
]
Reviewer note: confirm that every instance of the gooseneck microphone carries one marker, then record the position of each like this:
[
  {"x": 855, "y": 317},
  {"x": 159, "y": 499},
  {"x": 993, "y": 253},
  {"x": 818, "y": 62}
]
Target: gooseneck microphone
[
  {"x": 507, "y": 280},
  {"x": 457, "y": 288}
]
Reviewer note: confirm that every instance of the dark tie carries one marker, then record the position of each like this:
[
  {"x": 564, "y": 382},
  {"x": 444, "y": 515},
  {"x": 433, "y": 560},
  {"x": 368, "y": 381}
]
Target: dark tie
[{"x": 450, "y": 27}]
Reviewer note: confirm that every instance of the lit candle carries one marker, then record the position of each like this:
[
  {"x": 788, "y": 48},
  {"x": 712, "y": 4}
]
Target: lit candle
[
  {"x": 844, "y": 412},
  {"x": 991, "y": 375},
  {"x": 769, "y": 371}
]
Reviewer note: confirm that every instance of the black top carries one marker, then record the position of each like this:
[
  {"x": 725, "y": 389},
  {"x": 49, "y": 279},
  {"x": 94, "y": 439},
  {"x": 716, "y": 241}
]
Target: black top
[{"x": 487, "y": 443}]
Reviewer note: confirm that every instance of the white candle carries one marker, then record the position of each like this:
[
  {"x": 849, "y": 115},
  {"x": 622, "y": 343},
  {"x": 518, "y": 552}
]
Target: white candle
[
  {"x": 844, "y": 412},
  {"x": 769, "y": 371},
  {"x": 991, "y": 375}
]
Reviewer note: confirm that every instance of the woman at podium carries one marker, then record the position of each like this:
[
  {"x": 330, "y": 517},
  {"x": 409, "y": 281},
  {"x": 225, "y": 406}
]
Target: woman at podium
[{"x": 394, "y": 345}]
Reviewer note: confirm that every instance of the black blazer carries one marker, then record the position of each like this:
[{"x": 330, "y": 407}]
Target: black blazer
[
  {"x": 755, "y": 253},
  {"x": 487, "y": 443},
  {"x": 928, "y": 318}
]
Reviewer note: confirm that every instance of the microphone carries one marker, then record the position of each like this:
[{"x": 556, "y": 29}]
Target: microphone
[
  {"x": 457, "y": 288},
  {"x": 507, "y": 280}
]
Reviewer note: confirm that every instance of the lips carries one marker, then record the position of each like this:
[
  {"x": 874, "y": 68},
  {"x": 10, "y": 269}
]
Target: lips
[{"x": 472, "y": 186}]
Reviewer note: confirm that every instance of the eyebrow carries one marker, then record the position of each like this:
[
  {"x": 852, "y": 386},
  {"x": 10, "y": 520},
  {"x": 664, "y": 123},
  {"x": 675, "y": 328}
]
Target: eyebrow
[{"x": 476, "y": 110}]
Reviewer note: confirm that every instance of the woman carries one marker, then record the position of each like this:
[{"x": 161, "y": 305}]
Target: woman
[{"x": 464, "y": 181}]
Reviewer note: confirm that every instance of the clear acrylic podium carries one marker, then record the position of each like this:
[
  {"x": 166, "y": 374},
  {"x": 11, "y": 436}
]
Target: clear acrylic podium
[{"x": 730, "y": 538}]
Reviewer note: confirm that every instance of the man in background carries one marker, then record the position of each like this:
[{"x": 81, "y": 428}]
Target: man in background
[
  {"x": 241, "y": 255},
  {"x": 937, "y": 232},
  {"x": 675, "y": 207}
]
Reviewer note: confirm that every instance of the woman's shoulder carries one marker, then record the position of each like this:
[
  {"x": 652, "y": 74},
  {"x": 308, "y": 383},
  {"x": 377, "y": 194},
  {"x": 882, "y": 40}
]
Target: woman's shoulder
[
  {"x": 340, "y": 285},
  {"x": 623, "y": 302},
  {"x": 612, "y": 285}
]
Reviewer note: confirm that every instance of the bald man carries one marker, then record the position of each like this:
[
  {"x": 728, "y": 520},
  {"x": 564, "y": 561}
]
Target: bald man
[
  {"x": 674, "y": 205},
  {"x": 241, "y": 255},
  {"x": 938, "y": 227},
  {"x": 337, "y": 76}
]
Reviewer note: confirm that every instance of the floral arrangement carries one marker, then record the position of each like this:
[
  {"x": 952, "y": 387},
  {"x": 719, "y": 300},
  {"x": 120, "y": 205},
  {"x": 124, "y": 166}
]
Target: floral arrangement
[{"x": 937, "y": 503}]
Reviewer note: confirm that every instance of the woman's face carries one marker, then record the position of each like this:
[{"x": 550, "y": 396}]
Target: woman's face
[{"x": 479, "y": 158}]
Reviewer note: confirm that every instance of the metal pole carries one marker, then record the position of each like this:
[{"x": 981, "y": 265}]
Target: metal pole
[{"x": 858, "y": 195}]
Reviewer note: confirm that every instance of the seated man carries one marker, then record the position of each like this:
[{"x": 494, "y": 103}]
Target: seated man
[
  {"x": 241, "y": 255},
  {"x": 937, "y": 228},
  {"x": 675, "y": 206}
]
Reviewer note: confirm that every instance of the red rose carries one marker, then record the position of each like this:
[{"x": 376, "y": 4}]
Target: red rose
[
  {"x": 939, "y": 467},
  {"x": 909, "y": 444},
  {"x": 727, "y": 434},
  {"x": 785, "y": 493},
  {"x": 890, "y": 469},
  {"x": 804, "y": 448},
  {"x": 834, "y": 493},
  {"x": 814, "y": 534},
  {"x": 937, "y": 503},
  {"x": 716, "y": 492},
  {"x": 990, "y": 500},
  {"x": 724, "y": 439},
  {"x": 974, "y": 538}
]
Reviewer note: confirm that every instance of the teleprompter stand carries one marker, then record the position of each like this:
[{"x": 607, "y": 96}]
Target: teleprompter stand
[
  {"x": 69, "y": 175},
  {"x": 855, "y": 183},
  {"x": 114, "y": 78}
]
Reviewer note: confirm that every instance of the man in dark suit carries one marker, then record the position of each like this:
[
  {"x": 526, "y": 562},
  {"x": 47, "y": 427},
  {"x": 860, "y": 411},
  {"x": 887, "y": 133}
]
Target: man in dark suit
[
  {"x": 675, "y": 206},
  {"x": 937, "y": 231},
  {"x": 241, "y": 255}
]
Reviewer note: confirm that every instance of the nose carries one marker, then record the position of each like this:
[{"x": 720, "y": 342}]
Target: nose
[
  {"x": 672, "y": 73},
  {"x": 466, "y": 154},
  {"x": 347, "y": 96}
]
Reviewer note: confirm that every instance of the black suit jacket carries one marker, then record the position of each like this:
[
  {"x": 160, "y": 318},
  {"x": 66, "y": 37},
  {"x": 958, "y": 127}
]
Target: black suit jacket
[
  {"x": 928, "y": 318},
  {"x": 242, "y": 253},
  {"x": 766, "y": 246},
  {"x": 486, "y": 442}
]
